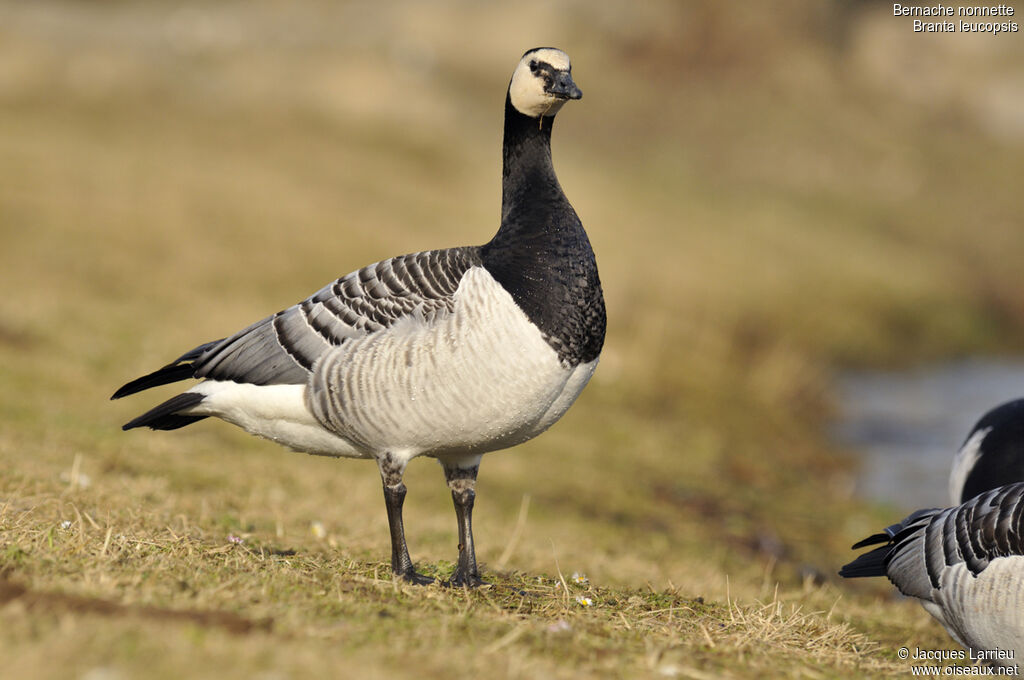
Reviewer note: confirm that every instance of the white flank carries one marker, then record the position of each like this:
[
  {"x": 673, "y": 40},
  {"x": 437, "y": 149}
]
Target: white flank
[
  {"x": 984, "y": 612},
  {"x": 477, "y": 380},
  {"x": 527, "y": 90},
  {"x": 965, "y": 460},
  {"x": 275, "y": 412}
]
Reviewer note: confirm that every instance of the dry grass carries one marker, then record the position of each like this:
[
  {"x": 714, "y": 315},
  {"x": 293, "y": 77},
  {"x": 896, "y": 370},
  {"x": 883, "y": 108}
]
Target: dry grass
[
  {"x": 153, "y": 600},
  {"x": 170, "y": 173}
]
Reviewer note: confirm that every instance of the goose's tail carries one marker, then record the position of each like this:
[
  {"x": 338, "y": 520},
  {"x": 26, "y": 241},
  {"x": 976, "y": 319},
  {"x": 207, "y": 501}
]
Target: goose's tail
[{"x": 168, "y": 415}]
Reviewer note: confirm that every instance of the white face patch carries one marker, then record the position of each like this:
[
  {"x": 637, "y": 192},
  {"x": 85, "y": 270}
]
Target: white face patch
[{"x": 527, "y": 90}]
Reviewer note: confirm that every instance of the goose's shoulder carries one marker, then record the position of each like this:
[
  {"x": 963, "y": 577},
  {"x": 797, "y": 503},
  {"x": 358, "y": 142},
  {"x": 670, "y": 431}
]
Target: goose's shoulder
[
  {"x": 431, "y": 275},
  {"x": 282, "y": 348},
  {"x": 555, "y": 282}
]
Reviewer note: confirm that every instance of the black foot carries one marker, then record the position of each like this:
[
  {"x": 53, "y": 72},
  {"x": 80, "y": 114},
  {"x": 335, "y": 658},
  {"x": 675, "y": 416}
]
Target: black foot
[
  {"x": 412, "y": 577},
  {"x": 462, "y": 580}
]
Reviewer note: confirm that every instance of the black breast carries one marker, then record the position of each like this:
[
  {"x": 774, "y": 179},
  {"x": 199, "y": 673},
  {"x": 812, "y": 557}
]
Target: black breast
[{"x": 552, "y": 276}]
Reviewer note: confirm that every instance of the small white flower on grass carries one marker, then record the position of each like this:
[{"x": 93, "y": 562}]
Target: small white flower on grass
[
  {"x": 584, "y": 601},
  {"x": 235, "y": 539},
  {"x": 579, "y": 579},
  {"x": 66, "y": 524},
  {"x": 316, "y": 527},
  {"x": 558, "y": 627}
]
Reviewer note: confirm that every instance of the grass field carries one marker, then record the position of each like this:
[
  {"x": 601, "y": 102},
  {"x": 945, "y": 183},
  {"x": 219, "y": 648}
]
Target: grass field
[{"x": 774, "y": 195}]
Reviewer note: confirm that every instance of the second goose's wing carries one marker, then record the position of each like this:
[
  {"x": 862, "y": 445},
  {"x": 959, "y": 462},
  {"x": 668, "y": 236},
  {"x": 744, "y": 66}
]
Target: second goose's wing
[{"x": 921, "y": 550}]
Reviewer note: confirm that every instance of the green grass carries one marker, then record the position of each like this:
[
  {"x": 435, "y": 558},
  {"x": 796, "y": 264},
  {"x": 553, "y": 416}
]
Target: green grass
[{"x": 159, "y": 188}]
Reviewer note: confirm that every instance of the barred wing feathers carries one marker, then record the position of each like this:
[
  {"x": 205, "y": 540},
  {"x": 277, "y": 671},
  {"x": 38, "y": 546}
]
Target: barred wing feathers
[
  {"x": 282, "y": 348},
  {"x": 922, "y": 549}
]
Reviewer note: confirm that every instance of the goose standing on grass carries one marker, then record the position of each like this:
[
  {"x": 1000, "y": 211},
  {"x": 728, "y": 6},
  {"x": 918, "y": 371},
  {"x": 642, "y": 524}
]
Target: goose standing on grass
[
  {"x": 966, "y": 563},
  {"x": 445, "y": 353}
]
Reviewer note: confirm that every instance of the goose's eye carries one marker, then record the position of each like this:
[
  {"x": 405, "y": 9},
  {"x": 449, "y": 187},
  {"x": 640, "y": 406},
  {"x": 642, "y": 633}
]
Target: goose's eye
[{"x": 533, "y": 65}]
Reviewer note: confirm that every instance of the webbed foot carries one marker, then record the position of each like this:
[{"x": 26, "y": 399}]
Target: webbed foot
[{"x": 411, "y": 576}]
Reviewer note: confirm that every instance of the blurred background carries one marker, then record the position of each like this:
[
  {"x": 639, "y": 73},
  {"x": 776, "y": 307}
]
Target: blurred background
[{"x": 781, "y": 197}]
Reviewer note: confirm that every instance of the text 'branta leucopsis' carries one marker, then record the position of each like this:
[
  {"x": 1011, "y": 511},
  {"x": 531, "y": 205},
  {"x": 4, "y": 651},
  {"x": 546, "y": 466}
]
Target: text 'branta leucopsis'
[
  {"x": 445, "y": 353},
  {"x": 966, "y": 563}
]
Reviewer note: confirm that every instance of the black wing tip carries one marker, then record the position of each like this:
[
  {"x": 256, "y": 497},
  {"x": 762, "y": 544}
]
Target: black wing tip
[
  {"x": 163, "y": 376},
  {"x": 869, "y": 564},
  {"x": 849, "y": 571},
  {"x": 171, "y": 422},
  {"x": 873, "y": 539},
  {"x": 182, "y": 368},
  {"x": 167, "y": 416},
  {"x": 124, "y": 391}
]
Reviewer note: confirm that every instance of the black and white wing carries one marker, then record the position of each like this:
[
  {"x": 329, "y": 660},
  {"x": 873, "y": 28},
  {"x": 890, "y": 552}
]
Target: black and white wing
[
  {"x": 282, "y": 348},
  {"x": 921, "y": 549}
]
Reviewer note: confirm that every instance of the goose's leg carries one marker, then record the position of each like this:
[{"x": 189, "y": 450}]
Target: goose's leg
[
  {"x": 461, "y": 478},
  {"x": 391, "y": 471}
]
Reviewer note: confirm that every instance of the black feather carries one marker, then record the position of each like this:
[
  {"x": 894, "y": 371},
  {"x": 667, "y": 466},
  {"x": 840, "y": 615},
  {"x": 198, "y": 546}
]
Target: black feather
[
  {"x": 162, "y": 376},
  {"x": 181, "y": 368},
  {"x": 167, "y": 415},
  {"x": 871, "y": 563},
  {"x": 873, "y": 539}
]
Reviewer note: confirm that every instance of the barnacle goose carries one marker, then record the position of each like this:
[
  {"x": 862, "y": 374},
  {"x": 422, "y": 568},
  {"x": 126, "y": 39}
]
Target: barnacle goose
[
  {"x": 966, "y": 563},
  {"x": 444, "y": 353},
  {"x": 992, "y": 454}
]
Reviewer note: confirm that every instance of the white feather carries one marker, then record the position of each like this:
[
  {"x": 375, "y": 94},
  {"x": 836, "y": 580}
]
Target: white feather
[
  {"x": 965, "y": 460},
  {"x": 526, "y": 90},
  {"x": 275, "y": 412}
]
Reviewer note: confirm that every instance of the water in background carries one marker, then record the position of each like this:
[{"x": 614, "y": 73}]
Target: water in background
[{"x": 909, "y": 425}]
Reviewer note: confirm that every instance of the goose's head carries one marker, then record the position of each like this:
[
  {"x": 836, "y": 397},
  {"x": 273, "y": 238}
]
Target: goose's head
[{"x": 542, "y": 82}]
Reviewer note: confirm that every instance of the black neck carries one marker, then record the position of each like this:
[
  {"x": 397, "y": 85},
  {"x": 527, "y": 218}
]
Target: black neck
[
  {"x": 528, "y": 177},
  {"x": 541, "y": 254}
]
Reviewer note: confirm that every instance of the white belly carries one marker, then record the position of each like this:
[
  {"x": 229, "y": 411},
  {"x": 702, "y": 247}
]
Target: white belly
[{"x": 479, "y": 379}]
